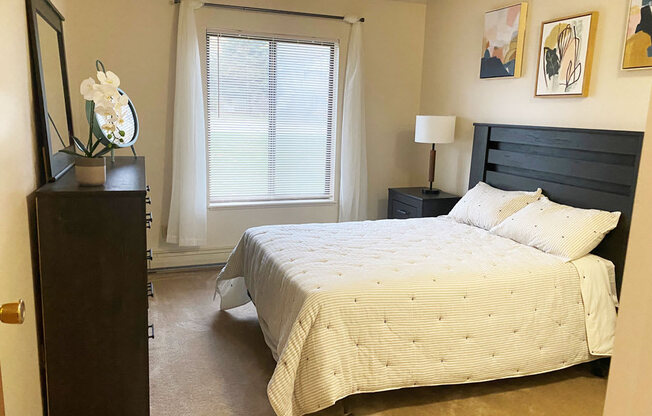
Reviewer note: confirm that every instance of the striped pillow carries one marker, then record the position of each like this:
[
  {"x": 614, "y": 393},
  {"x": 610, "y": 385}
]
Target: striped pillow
[
  {"x": 485, "y": 206},
  {"x": 564, "y": 231}
]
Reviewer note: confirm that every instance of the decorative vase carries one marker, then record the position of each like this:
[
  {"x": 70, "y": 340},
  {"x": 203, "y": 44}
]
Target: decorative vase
[{"x": 90, "y": 171}]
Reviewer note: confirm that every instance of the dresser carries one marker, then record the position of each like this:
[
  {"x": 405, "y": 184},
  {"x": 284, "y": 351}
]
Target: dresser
[
  {"x": 93, "y": 290},
  {"x": 412, "y": 203}
]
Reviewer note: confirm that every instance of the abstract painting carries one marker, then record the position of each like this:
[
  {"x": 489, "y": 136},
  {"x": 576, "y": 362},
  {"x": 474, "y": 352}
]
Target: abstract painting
[
  {"x": 565, "y": 56},
  {"x": 638, "y": 41},
  {"x": 502, "y": 44}
]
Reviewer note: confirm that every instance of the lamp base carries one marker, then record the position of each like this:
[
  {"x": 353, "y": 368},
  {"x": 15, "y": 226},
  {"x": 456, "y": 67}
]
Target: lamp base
[{"x": 429, "y": 191}]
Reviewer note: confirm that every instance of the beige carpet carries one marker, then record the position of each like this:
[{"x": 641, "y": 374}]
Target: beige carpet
[{"x": 206, "y": 362}]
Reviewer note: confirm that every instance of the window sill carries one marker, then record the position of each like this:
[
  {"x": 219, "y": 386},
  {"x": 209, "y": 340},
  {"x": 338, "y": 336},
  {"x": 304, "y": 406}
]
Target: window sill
[{"x": 271, "y": 204}]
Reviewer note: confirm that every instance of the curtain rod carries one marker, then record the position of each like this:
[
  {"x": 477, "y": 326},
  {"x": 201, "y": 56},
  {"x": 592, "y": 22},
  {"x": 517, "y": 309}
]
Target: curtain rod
[{"x": 276, "y": 11}]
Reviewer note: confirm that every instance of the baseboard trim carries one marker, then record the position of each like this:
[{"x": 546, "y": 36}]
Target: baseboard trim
[
  {"x": 169, "y": 259},
  {"x": 183, "y": 269}
]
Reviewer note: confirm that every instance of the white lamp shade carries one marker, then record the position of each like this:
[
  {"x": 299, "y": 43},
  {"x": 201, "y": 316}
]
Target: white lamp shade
[{"x": 435, "y": 129}]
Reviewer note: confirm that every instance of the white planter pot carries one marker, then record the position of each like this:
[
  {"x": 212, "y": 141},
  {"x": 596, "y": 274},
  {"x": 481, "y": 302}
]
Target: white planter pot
[{"x": 90, "y": 171}]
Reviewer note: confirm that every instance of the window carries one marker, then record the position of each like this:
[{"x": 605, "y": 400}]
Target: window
[{"x": 271, "y": 118}]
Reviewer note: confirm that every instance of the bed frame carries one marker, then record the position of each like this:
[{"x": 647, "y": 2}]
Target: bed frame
[{"x": 584, "y": 168}]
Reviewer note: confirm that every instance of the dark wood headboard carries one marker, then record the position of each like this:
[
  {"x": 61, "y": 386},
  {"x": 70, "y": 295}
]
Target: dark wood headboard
[{"x": 583, "y": 168}]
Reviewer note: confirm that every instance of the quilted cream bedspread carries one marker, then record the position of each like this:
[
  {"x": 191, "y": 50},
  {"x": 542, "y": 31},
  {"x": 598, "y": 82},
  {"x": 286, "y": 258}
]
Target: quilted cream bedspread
[{"x": 378, "y": 305}]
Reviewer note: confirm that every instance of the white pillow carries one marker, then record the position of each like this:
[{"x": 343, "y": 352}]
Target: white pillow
[
  {"x": 485, "y": 206},
  {"x": 564, "y": 231}
]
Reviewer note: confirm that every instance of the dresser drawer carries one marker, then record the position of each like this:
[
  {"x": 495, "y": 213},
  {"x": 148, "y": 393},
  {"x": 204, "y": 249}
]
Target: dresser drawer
[{"x": 402, "y": 210}]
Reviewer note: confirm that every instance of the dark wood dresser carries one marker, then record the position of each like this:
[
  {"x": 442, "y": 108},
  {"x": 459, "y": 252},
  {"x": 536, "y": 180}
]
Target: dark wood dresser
[{"x": 93, "y": 291}]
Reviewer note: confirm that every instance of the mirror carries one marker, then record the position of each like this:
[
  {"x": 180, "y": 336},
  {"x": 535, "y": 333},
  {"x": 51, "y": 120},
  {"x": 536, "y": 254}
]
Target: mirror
[
  {"x": 51, "y": 94},
  {"x": 51, "y": 66}
]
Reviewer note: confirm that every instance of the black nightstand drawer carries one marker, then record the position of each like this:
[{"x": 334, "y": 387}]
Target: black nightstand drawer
[
  {"x": 411, "y": 203},
  {"x": 401, "y": 210}
]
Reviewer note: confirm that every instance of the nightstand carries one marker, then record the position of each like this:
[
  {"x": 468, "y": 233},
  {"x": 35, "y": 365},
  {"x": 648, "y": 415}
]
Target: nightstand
[{"x": 411, "y": 203}]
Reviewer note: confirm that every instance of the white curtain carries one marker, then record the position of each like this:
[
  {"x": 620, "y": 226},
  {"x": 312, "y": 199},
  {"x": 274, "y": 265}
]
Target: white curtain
[
  {"x": 353, "y": 170},
  {"x": 188, "y": 207}
]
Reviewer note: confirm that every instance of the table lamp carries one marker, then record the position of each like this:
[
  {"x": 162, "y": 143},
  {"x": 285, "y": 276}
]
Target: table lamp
[{"x": 434, "y": 129}]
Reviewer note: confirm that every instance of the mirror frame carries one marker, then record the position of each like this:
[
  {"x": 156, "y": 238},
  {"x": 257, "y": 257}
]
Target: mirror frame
[{"x": 54, "y": 165}]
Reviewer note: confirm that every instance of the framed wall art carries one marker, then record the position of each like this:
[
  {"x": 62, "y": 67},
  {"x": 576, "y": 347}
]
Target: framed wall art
[
  {"x": 502, "y": 43},
  {"x": 565, "y": 56},
  {"x": 638, "y": 39}
]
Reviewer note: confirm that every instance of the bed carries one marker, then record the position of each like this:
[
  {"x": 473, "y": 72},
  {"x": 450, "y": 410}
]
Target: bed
[{"x": 378, "y": 305}]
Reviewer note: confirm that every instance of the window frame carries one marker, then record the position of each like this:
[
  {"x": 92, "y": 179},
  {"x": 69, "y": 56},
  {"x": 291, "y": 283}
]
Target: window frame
[{"x": 334, "y": 123}]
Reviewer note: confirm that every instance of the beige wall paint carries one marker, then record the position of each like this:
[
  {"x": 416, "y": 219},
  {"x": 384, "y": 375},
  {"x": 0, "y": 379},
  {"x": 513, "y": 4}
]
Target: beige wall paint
[
  {"x": 18, "y": 179},
  {"x": 141, "y": 50},
  {"x": 451, "y": 84},
  {"x": 628, "y": 392}
]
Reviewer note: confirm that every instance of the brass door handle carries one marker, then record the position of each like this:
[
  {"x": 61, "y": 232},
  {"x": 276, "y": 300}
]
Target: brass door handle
[{"x": 13, "y": 313}]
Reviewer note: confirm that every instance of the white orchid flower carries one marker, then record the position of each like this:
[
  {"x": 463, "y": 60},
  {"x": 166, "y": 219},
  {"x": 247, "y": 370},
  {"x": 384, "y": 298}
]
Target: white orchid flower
[
  {"x": 105, "y": 94},
  {"x": 109, "y": 78},
  {"x": 120, "y": 112},
  {"x": 109, "y": 105},
  {"x": 106, "y": 111},
  {"x": 123, "y": 100},
  {"x": 86, "y": 89},
  {"x": 119, "y": 104}
]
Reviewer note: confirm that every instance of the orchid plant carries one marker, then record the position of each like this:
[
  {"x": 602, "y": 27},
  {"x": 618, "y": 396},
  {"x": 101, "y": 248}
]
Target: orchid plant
[{"x": 108, "y": 102}]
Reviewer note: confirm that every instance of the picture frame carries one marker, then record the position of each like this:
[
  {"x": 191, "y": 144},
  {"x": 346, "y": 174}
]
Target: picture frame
[
  {"x": 637, "y": 45},
  {"x": 503, "y": 42},
  {"x": 566, "y": 49}
]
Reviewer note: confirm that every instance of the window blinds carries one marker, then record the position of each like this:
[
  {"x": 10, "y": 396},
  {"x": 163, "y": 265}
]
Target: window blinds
[{"x": 271, "y": 118}]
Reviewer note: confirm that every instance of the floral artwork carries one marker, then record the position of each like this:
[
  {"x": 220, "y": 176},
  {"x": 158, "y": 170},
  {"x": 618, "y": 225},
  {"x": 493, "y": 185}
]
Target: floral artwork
[
  {"x": 638, "y": 41},
  {"x": 565, "y": 56},
  {"x": 502, "y": 43}
]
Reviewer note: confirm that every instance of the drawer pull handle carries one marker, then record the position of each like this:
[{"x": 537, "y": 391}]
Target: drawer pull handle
[
  {"x": 150, "y": 289},
  {"x": 402, "y": 211},
  {"x": 148, "y": 220},
  {"x": 147, "y": 188},
  {"x": 150, "y": 331},
  {"x": 148, "y": 254},
  {"x": 148, "y": 200}
]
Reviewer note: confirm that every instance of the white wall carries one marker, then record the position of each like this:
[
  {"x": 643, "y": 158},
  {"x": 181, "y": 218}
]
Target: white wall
[
  {"x": 451, "y": 84},
  {"x": 137, "y": 41}
]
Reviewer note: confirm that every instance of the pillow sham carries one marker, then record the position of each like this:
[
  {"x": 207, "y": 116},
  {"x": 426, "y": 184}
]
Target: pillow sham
[
  {"x": 485, "y": 206},
  {"x": 564, "y": 231}
]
